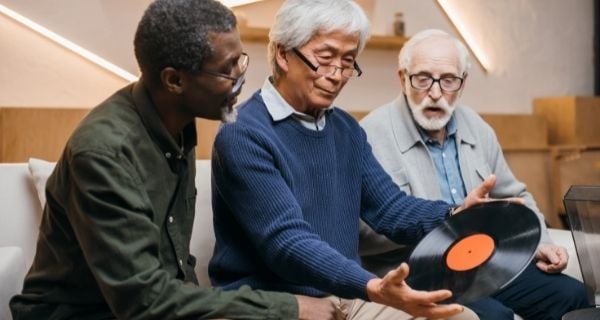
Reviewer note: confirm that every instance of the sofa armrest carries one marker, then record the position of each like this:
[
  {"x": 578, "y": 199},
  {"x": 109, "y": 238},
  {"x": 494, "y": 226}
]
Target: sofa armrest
[
  {"x": 564, "y": 238},
  {"x": 12, "y": 273}
]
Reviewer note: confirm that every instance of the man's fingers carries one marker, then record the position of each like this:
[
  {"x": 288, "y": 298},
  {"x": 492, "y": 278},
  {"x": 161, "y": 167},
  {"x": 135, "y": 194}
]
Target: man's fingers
[
  {"x": 563, "y": 255},
  {"x": 550, "y": 254},
  {"x": 542, "y": 266},
  {"x": 441, "y": 311},
  {"x": 403, "y": 270},
  {"x": 428, "y": 297},
  {"x": 398, "y": 275},
  {"x": 556, "y": 257},
  {"x": 487, "y": 186}
]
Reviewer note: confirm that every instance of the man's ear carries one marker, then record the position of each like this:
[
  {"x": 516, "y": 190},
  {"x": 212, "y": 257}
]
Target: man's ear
[
  {"x": 464, "y": 83},
  {"x": 281, "y": 57},
  {"x": 172, "y": 80},
  {"x": 402, "y": 76}
]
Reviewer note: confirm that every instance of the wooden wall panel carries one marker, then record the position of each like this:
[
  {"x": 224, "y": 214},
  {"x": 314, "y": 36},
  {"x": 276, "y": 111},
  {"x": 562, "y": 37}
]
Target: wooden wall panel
[
  {"x": 207, "y": 130},
  {"x": 519, "y": 132},
  {"x": 2, "y": 136},
  {"x": 43, "y": 132},
  {"x": 532, "y": 168},
  {"x": 571, "y": 119},
  {"x": 547, "y": 170},
  {"x": 36, "y": 132}
]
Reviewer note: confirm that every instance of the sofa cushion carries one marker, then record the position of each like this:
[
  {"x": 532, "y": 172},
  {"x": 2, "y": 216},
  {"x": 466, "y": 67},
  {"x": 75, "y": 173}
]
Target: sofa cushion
[
  {"x": 12, "y": 272},
  {"x": 40, "y": 170},
  {"x": 203, "y": 235},
  {"x": 20, "y": 211}
]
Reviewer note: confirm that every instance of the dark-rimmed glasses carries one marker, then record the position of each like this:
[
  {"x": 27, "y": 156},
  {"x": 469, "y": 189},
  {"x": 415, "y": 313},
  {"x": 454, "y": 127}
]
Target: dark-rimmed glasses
[
  {"x": 328, "y": 70},
  {"x": 424, "y": 82},
  {"x": 242, "y": 66}
]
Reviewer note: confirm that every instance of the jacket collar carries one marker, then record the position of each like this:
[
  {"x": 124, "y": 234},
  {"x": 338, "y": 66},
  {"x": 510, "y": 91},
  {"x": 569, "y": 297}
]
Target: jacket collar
[{"x": 156, "y": 128}]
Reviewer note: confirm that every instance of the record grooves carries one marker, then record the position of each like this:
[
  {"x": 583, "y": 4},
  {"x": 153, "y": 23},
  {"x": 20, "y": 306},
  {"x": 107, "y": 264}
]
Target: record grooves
[{"x": 476, "y": 252}]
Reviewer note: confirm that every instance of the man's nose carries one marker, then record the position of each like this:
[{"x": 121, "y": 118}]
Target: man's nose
[
  {"x": 337, "y": 73},
  {"x": 435, "y": 92}
]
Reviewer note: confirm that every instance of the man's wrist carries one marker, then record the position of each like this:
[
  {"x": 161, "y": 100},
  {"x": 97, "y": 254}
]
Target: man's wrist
[{"x": 373, "y": 289}]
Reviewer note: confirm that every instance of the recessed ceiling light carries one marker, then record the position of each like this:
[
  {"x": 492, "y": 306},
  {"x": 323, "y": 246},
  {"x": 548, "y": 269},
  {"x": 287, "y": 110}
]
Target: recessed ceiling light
[{"x": 452, "y": 12}]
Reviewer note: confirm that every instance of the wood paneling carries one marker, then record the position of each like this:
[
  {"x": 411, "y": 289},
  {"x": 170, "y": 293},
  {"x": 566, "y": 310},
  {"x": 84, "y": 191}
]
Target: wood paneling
[
  {"x": 207, "y": 130},
  {"x": 36, "y": 132},
  {"x": 43, "y": 132},
  {"x": 547, "y": 170},
  {"x": 2, "y": 136},
  {"x": 532, "y": 167},
  {"x": 571, "y": 120},
  {"x": 519, "y": 132}
]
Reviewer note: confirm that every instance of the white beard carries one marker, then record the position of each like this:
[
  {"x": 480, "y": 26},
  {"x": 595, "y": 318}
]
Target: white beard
[
  {"x": 229, "y": 116},
  {"x": 434, "y": 123}
]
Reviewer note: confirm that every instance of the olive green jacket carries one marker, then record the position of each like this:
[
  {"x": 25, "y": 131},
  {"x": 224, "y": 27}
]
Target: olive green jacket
[{"x": 115, "y": 232}]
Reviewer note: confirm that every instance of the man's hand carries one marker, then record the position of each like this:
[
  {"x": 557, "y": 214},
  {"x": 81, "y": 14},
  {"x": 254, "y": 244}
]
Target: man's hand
[
  {"x": 551, "y": 258},
  {"x": 481, "y": 195},
  {"x": 317, "y": 309},
  {"x": 393, "y": 291}
]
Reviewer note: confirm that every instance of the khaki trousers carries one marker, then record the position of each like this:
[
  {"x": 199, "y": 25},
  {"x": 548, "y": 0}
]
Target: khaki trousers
[{"x": 356, "y": 309}]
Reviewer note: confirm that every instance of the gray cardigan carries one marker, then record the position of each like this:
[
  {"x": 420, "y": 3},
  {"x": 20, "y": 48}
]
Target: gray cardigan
[{"x": 399, "y": 148}]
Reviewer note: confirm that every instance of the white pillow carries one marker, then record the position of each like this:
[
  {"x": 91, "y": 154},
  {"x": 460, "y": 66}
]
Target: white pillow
[{"x": 40, "y": 170}]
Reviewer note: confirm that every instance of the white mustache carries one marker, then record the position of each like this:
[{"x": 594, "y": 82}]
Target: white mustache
[{"x": 435, "y": 122}]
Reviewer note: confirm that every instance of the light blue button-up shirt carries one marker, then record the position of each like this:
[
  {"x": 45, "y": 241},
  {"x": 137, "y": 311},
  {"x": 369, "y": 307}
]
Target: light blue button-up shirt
[{"x": 447, "y": 167}]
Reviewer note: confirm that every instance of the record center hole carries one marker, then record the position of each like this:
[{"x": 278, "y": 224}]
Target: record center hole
[{"x": 470, "y": 252}]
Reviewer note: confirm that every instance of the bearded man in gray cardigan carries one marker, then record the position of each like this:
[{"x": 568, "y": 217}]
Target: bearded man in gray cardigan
[{"x": 434, "y": 148}]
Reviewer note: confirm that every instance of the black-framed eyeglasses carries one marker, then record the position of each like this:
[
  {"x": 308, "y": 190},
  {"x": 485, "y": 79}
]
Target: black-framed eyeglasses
[
  {"x": 240, "y": 70},
  {"x": 448, "y": 83},
  {"x": 327, "y": 70}
]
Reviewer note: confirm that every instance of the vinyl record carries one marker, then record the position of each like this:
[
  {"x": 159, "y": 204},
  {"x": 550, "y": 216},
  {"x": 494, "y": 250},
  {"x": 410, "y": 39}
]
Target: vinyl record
[{"x": 476, "y": 252}]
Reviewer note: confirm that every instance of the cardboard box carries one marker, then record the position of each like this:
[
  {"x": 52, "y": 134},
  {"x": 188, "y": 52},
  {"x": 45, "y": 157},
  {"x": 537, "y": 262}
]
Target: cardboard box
[{"x": 571, "y": 120}]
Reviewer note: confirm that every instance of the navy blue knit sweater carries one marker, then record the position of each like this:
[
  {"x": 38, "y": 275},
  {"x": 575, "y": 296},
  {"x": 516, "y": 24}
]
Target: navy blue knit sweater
[{"x": 287, "y": 202}]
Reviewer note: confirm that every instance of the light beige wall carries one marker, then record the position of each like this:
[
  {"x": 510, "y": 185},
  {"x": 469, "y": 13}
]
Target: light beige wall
[
  {"x": 539, "y": 47},
  {"x": 37, "y": 72}
]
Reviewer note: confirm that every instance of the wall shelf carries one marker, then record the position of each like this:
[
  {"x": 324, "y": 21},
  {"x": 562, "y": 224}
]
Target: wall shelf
[{"x": 253, "y": 34}]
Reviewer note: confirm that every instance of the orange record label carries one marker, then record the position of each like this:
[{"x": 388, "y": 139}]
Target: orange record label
[{"x": 470, "y": 252}]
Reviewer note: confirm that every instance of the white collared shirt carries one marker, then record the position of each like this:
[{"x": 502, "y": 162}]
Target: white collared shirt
[{"x": 279, "y": 109}]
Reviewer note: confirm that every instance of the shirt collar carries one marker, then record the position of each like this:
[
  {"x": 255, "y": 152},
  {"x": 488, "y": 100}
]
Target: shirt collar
[
  {"x": 279, "y": 109},
  {"x": 156, "y": 128}
]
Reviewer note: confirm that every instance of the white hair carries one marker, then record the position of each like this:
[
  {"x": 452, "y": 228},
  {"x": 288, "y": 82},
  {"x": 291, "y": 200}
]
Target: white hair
[
  {"x": 297, "y": 21},
  {"x": 405, "y": 55}
]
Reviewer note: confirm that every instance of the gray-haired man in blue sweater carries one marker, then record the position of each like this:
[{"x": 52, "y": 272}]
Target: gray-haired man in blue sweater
[{"x": 293, "y": 176}]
